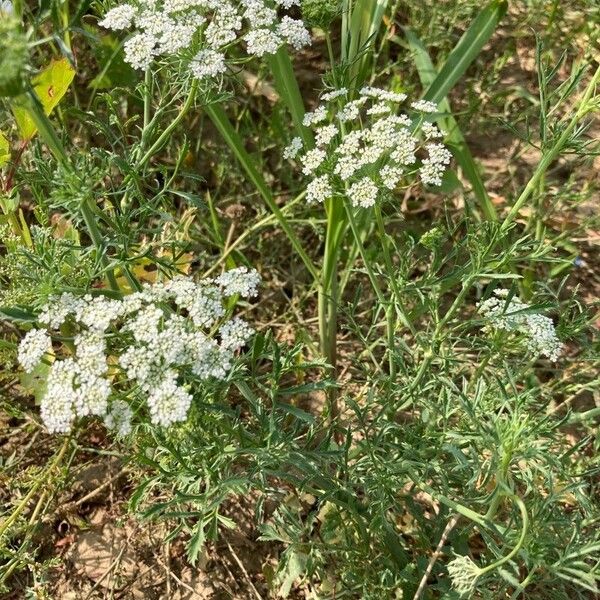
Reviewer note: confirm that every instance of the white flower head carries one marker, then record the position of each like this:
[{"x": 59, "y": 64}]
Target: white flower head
[
  {"x": 262, "y": 41},
  {"x": 293, "y": 149},
  {"x": 424, "y": 106},
  {"x": 312, "y": 160},
  {"x": 516, "y": 316},
  {"x": 120, "y": 17},
  {"x": 364, "y": 146},
  {"x": 208, "y": 63},
  {"x": 140, "y": 50},
  {"x": 319, "y": 190},
  {"x": 32, "y": 348},
  {"x": 294, "y": 33},
  {"x": 161, "y": 28},
  {"x": 242, "y": 281},
  {"x": 146, "y": 347},
  {"x": 363, "y": 193}
]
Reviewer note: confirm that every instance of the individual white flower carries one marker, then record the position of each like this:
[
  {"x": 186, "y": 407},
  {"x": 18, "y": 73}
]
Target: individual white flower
[
  {"x": 319, "y": 189},
  {"x": 120, "y": 17},
  {"x": 351, "y": 111},
  {"x": 209, "y": 360},
  {"x": 312, "y": 159},
  {"x": 294, "y": 33},
  {"x": 98, "y": 312},
  {"x": 293, "y": 149},
  {"x": 224, "y": 25},
  {"x": 208, "y": 63},
  {"x": 383, "y": 95},
  {"x": 32, "y": 348},
  {"x": 346, "y": 167},
  {"x": 404, "y": 154},
  {"x": 424, "y": 106},
  {"x": 153, "y": 22},
  {"x": 119, "y": 418},
  {"x": 177, "y": 37},
  {"x": 288, "y": 3},
  {"x": 146, "y": 324},
  {"x": 91, "y": 395},
  {"x": 90, "y": 353},
  {"x": 262, "y": 41},
  {"x": 140, "y": 50},
  {"x": 363, "y": 193}
]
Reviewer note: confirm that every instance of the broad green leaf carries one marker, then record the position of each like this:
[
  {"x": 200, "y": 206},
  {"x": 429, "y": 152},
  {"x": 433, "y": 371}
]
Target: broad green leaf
[
  {"x": 49, "y": 86},
  {"x": 4, "y": 150},
  {"x": 467, "y": 49},
  {"x": 454, "y": 139}
]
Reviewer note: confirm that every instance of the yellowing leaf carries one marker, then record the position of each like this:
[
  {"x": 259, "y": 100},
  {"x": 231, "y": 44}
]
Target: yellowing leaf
[
  {"x": 4, "y": 150},
  {"x": 50, "y": 86}
]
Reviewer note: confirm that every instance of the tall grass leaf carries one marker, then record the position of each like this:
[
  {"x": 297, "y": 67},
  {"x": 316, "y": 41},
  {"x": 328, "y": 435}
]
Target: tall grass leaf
[
  {"x": 467, "y": 49},
  {"x": 287, "y": 86}
]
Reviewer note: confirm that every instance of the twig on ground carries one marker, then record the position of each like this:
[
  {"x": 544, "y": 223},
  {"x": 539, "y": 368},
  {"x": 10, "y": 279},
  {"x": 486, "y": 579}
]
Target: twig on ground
[{"x": 438, "y": 552}]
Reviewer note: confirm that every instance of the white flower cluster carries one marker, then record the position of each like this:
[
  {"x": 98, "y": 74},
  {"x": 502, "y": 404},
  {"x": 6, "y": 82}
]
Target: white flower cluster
[
  {"x": 515, "y": 315},
  {"x": 158, "y": 343},
  {"x": 363, "y": 147},
  {"x": 205, "y": 28}
]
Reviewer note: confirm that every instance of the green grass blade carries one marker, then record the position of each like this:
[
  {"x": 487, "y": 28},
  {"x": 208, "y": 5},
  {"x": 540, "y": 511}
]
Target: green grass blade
[
  {"x": 221, "y": 121},
  {"x": 287, "y": 86},
  {"x": 467, "y": 49},
  {"x": 455, "y": 139},
  {"x": 364, "y": 22}
]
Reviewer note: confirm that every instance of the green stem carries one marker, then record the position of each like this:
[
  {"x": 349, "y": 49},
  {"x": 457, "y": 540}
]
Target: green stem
[
  {"x": 389, "y": 308},
  {"x": 428, "y": 359},
  {"x": 96, "y": 237},
  {"x": 166, "y": 134},
  {"x": 549, "y": 157},
  {"x": 520, "y": 541},
  {"x": 219, "y": 118},
  {"x": 389, "y": 265}
]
